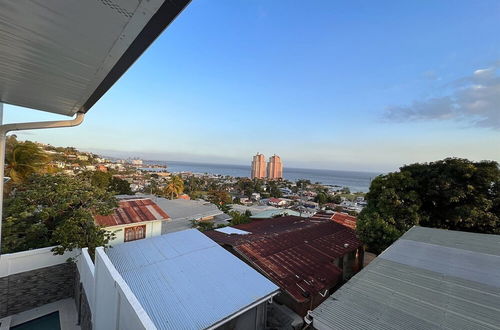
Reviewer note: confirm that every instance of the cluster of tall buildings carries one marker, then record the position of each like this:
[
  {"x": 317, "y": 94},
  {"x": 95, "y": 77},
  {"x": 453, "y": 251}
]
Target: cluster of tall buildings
[{"x": 273, "y": 169}]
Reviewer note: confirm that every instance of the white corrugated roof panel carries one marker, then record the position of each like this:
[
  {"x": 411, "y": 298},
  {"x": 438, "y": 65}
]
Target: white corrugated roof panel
[
  {"x": 232, "y": 230},
  {"x": 184, "y": 280},
  {"x": 62, "y": 56},
  {"x": 428, "y": 279}
]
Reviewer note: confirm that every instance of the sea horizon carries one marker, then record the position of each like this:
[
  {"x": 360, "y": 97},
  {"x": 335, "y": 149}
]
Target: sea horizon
[{"x": 356, "y": 181}]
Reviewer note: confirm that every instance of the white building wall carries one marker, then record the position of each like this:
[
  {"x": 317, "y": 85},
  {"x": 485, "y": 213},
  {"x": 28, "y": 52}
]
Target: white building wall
[{"x": 153, "y": 228}]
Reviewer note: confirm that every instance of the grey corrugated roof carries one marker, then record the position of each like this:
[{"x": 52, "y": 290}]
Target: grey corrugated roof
[
  {"x": 182, "y": 209},
  {"x": 423, "y": 281},
  {"x": 184, "y": 280},
  {"x": 62, "y": 56}
]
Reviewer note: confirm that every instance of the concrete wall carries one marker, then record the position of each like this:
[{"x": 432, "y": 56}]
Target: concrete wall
[
  {"x": 116, "y": 307},
  {"x": 33, "y": 278},
  {"x": 153, "y": 228},
  {"x": 85, "y": 289},
  {"x": 82, "y": 304}
]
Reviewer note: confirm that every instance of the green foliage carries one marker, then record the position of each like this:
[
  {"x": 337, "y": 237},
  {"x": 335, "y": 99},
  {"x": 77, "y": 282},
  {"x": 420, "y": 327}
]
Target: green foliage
[
  {"x": 323, "y": 198},
  {"x": 174, "y": 187},
  {"x": 454, "y": 194},
  {"x": 23, "y": 159},
  {"x": 55, "y": 210},
  {"x": 239, "y": 218},
  {"x": 202, "y": 225},
  {"x": 302, "y": 183},
  {"x": 221, "y": 199},
  {"x": 273, "y": 189},
  {"x": 106, "y": 181},
  {"x": 119, "y": 186}
]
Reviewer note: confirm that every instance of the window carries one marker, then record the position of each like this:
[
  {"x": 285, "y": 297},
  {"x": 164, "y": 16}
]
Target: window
[{"x": 134, "y": 233}]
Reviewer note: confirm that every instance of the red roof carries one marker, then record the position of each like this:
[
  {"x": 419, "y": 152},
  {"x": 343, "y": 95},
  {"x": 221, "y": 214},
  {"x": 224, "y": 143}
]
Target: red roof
[
  {"x": 339, "y": 217},
  {"x": 296, "y": 253},
  {"x": 132, "y": 211}
]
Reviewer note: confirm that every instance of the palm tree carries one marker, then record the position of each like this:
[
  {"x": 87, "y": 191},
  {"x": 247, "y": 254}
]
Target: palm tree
[
  {"x": 174, "y": 187},
  {"x": 23, "y": 159}
]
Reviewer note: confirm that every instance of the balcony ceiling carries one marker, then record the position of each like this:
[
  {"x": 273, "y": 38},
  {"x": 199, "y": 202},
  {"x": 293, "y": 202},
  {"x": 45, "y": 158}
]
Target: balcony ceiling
[{"x": 61, "y": 56}]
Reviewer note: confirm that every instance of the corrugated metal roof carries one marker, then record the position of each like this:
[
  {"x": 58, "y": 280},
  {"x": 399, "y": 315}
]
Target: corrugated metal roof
[
  {"x": 416, "y": 284},
  {"x": 339, "y": 217},
  {"x": 132, "y": 211},
  {"x": 296, "y": 253},
  {"x": 62, "y": 56},
  {"x": 272, "y": 213},
  {"x": 184, "y": 280}
]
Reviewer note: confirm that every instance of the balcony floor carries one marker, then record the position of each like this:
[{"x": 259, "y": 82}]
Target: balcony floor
[{"x": 68, "y": 315}]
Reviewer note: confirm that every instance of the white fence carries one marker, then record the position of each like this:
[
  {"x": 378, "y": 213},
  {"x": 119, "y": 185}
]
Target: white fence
[
  {"x": 116, "y": 307},
  {"x": 14, "y": 263}
]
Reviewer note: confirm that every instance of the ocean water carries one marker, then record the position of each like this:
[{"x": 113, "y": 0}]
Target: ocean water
[{"x": 355, "y": 181}]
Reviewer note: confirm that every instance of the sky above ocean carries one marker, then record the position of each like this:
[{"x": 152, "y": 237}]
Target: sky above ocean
[{"x": 348, "y": 85}]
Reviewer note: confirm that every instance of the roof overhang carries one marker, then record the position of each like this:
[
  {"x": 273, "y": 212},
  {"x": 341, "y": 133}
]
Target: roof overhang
[{"x": 62, "y": 56}]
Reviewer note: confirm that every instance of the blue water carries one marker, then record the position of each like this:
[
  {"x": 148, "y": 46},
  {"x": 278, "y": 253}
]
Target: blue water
[{"x": 355, "y": 181}]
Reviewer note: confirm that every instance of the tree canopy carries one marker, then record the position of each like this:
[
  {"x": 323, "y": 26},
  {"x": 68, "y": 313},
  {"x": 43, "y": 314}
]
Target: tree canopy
[
  {"x": 453, "y": 193},
  {"x": 57, "y": 210}
]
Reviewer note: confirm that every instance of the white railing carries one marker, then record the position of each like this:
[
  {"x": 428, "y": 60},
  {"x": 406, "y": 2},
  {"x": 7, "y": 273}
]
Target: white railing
[
  {"x": 116, "y": 307},
  {"x": 86, "y": 269},
  {"x": 14, "y": 263}
]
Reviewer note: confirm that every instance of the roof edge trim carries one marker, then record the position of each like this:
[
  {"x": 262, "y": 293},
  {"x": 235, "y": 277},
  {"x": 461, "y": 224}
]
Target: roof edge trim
[{"x": 165, "y": 15}]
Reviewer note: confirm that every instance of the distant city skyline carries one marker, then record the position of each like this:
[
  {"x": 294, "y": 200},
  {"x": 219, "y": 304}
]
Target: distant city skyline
[{"x": 355, "y": 86}]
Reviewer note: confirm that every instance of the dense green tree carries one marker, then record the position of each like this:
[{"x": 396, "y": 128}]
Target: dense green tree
[
  {"x": 57, "y": 210},
  {"x": 119, "y": 186},
  {"x": 99, "y": 179},
  {"x": 453, "y": 193}
]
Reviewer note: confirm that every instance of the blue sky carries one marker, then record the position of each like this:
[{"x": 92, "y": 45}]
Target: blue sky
[{"x": 354, "y": 85}]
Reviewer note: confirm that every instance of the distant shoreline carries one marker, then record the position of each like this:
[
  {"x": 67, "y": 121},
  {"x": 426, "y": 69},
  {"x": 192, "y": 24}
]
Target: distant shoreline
[{"x": 356, "y": 181}]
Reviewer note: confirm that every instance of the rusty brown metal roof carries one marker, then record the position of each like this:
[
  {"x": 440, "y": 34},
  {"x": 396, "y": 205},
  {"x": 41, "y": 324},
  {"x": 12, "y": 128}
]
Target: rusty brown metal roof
[
  {"x": 132, "y": 211},
  {"x": 339, "y": 217},
  {"x": 296, "y": 253}
]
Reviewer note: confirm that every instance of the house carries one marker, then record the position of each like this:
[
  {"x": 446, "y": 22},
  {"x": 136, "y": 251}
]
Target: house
[
  {"x": 184, "y": 280},
  {"x": 101, "y": 168},
  {"x": 182, "y": 212},
  {"x": 277, "y": 202},
  {"x": 308, "y": 259},
  {"x": 133, "y": 219},
  {"x": 82, "y": 157},
  {"x": 428, "y": 279},
  {"x": 246, "y": 201}
]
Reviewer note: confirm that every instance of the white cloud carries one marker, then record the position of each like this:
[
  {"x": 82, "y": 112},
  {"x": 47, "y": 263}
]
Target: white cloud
[{"x": 474, "y": 99}]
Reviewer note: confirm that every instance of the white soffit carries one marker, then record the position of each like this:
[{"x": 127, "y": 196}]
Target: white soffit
[{"x": 61, "y": 56}]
